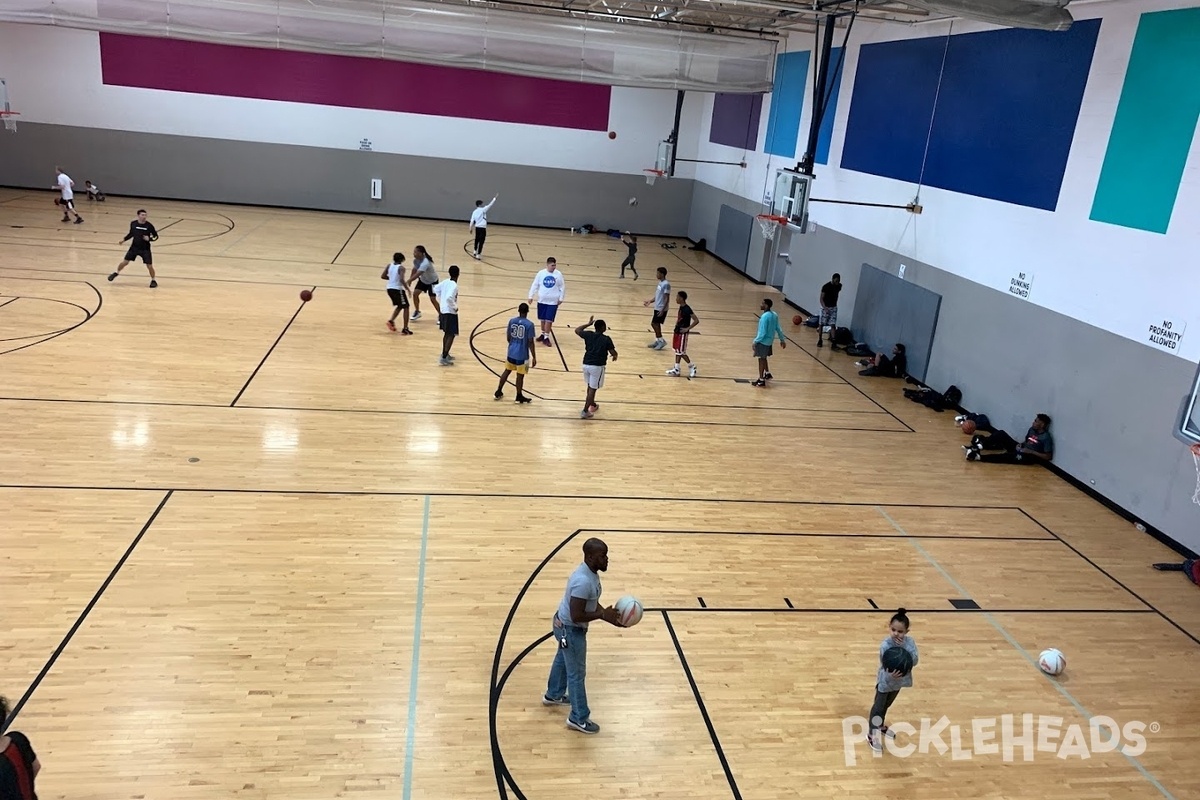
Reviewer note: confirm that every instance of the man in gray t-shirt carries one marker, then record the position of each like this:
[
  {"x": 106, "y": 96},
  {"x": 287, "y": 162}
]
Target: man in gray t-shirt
[{"x": 580, "y": 605}]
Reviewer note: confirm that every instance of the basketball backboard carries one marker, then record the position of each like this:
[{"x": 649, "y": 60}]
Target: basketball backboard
[
  {"x": 1187, "y": 426},
  {"x": 790, "y": 198}
]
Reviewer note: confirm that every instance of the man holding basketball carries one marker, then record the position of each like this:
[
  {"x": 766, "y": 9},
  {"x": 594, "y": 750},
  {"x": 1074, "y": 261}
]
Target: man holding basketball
[
  {"x": 142, "y": 233},
  {"x": 580, "y": 605}
]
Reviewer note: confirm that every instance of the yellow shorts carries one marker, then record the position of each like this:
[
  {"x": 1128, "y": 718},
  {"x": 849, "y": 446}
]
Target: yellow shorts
[{"x": 520, "y": 369}]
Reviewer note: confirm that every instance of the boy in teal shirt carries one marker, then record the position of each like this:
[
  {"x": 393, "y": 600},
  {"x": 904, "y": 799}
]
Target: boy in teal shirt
[{"x": 768, "y": 329}]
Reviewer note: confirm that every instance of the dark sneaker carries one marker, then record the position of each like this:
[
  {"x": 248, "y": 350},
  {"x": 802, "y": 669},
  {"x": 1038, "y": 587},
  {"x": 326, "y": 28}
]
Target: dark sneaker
[
  {"x": 498, "y": 394},
  {"x": 112, "y": 277},
  {"x": 759, "y": 382},
  {"x": 588, "y": 727},
  {"x": 556, "y": 701},
  {"x": 523, "y": 399},
  {"x": 768, "y": 376},
  {"x": 79, "y": 220},
  {"x": 820, "y": 343},
  {"x": 153, "y": 284}
]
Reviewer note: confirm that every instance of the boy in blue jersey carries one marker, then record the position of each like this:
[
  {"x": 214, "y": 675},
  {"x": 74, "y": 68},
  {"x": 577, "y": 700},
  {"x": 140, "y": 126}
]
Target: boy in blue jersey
[
  {"x": 520, "y": 337},
  {"x": 768, "y": 329}
]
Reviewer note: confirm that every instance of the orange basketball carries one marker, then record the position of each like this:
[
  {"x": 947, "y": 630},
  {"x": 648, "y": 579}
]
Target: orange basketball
[
  {"x": 797, "y": 320},
  {"x": 306, "y": 295},
  {"x": 968, "y": 427}
]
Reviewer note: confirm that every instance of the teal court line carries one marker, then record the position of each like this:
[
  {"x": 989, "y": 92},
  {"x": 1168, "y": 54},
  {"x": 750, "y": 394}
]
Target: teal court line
[
  {"x": 1008, "y": 637},
  {"x": 411, "y": 733}
]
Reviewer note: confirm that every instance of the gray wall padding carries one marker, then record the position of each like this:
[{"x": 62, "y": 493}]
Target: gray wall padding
[
  {"x": 889, "y": 310},
  {"x": 254, "y": 173},
  {"x": 704, "y": 219},
  {"x": 733, "y": 237}
]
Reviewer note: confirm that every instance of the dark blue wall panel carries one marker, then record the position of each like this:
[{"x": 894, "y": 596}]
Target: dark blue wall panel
[{"x": 1005, "y": 111}]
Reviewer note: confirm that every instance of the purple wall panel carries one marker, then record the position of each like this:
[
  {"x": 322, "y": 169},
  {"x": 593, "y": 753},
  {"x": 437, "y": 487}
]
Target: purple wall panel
[
  {"x": 735, "y": 120},
  {"x": 350, "y": 82}
]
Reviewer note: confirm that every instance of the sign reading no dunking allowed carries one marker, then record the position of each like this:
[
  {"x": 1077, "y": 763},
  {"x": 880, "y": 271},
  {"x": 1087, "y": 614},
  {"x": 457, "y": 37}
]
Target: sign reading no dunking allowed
[{"x": 1021, "y": 284}]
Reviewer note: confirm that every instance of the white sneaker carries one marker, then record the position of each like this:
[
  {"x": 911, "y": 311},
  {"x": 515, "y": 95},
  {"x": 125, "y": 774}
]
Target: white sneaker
[
  {"x": 673, "y": 372},
  {"x": 876, "y": 741},
  {"x": 660, "y": 344},
  {"x": 416, "y": 316},
  {"x": 692, "y": 371}
]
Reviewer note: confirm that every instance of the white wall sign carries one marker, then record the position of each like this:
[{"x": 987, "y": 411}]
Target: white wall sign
[
  {"x": 364, "y": 144},
  {"x": 1166, "y": 334},
  {"x": 1021, "y": 284},
  {"x": 900, "y": 274}
]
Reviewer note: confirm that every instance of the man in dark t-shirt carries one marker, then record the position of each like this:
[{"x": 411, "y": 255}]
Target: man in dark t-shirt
[
  {"x": 597, "y": 347},
  {"x": 684, "y": 323},
  {"x": 141, "y": 234},
  {"x": 630, "y": 242},
  {"x": 829, "y": 300},
  {"x": 1038, "y": 447}
]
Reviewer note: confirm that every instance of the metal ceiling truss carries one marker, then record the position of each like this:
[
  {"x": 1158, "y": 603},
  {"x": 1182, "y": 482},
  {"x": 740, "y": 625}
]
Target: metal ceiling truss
[{"x": 760, "y": 17}]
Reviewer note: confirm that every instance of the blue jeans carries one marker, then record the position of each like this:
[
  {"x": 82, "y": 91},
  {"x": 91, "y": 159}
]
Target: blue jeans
[{"x": 569, "y": 669}]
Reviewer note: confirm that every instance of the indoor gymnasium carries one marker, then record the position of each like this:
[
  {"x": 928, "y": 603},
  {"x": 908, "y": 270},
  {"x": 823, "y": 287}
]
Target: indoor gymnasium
[{"x": 855, "y": 449}]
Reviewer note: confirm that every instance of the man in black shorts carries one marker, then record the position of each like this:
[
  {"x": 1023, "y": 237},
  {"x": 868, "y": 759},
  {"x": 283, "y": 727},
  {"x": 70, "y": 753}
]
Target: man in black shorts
[
  {"x": 829, "y": 301},
  {"x": 142, "y": 234}
]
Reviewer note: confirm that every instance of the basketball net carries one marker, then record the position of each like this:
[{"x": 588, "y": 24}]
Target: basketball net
[
  {"x": 1196, "y": 458},
  {"x": 768, "y": 225}
]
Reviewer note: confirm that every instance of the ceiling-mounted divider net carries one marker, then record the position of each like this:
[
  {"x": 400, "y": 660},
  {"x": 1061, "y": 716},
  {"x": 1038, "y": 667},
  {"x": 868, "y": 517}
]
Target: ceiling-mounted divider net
[{"x": 541, "y": 45}]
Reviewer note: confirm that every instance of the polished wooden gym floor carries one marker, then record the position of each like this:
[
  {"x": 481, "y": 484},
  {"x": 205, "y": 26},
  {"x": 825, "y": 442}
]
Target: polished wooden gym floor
[{"x": 254, "y": 548}]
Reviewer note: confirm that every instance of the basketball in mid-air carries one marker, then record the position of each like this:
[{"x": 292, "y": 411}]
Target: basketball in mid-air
[
  {"x": 633, "y": 201},
  {"x": 629, "y": 611},
  {"x": 306, "y": 295}
]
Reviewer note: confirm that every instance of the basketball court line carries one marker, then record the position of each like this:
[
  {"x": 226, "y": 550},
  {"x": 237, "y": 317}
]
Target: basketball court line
[
  {"x": 418, "y": 613},
  {"x": 4, "y": 724},
  {"x": 825, "y": 534},
  {"x": 518, "y": 246},
  {"x": 1032, "y": 661},
  {"x": 278, "y": 339},
  {"x": 692, "y": 267},
  {"x": 347, "y": 242},
  {"x": 10, "y": 300},
  {"x": 504, "y": 776},
  {"x": 712, "y": 731},
  {"x": 402, "y": 412},
  {"x": 1111, "y": 577},
  {"x": 88, "y": 315}
]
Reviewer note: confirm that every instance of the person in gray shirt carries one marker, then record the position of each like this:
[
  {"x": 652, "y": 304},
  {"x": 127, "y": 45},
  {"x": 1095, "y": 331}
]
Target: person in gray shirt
[
  {"x": 888, "y": 683},
  {"x": 580, "y": 605}
]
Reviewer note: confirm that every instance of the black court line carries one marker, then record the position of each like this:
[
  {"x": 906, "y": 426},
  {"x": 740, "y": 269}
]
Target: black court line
[
  {"x": 278, "y": 339},
  {"x": 10, "y": 300},
  {"x": 518, "y": 245},
  {"x": 700, "y": 600},
  {"x": 348, "y": 238},
  {"x": 88, "y": 315},
  {"x": 801, "y": 535},
  {"x": 516, "y": 415},
  {"x": 500, "y": 495},
  {"x": 4, "y": 724},
  {"x": 1112, "y": 578},
  {"x": 794, "y": 610},
  {"x": 712, "y": 731},
  {"x": 694, "y": 269},
  {"x": 560, "y": 352},
  {"x": 872, "y": 400},
  {"x": 176, "y": 222},
  {"x": 872, "y": 602},
  {"x": 789, "y": 603}
]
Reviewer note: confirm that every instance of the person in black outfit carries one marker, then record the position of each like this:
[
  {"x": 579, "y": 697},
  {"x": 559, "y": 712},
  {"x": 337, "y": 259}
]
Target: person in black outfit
[
  {"x": 19, "y": 765},
  {"x": 1038, "y": 447},
  {"x": 630, "y": 241},
  {"x": 597, "y": 347},
  {"x": 884, "y": 367},
  {"x": 142, "y": 234},
  {"x": 829, "y": 300}
]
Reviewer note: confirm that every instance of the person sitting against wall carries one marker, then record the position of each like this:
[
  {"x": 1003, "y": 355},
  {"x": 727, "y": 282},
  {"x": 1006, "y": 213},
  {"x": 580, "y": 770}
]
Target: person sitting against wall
[
  {"x": 881, "y": 366},
  {"x": 1038, "y": 447}
]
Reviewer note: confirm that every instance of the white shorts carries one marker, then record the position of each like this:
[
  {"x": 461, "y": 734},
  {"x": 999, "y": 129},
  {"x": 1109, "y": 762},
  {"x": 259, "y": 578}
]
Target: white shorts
[{"x": 593, "y": 376}]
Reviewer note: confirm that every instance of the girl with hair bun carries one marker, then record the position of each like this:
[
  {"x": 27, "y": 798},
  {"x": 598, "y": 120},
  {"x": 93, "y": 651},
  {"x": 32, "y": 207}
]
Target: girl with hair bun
[{"x": 897, "y": 657}]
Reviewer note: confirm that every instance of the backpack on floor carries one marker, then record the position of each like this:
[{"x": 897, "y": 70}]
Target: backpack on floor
[
  {"x": 842, "y": 337},
  {"x": 952, "y": 396}
]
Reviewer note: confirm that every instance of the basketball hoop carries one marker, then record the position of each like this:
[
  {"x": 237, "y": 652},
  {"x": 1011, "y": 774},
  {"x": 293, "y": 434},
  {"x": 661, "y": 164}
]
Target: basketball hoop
[
  {"x": 653, "y": 174},
  {"x": 768, "y": 223},
  {"x": 10, "y": 119}
]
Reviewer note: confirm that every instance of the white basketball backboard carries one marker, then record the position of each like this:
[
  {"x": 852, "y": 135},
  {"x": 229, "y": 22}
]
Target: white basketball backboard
[
  {"x": 1187, "y": 426},
  {"x": 790, "y": 198}
]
